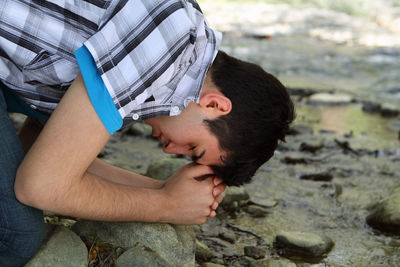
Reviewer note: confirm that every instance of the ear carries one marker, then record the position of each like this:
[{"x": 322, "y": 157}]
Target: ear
[{"x": 216, "y": 103}]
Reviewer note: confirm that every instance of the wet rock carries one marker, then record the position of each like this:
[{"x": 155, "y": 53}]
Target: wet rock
[
  {"x": 300, "y": 129},
  {"x": 370, "y": 107},
  {"x": 254, "y": 252},
  {"x": 264, "y": 202},
  {"x": 311, "y": 146},
  {"x": 63, "y": 248},
  {"x": 211, "y": 264},
  {"x": 321, "y": 176},
  {"x": 164, "y": 168},
  {"x": 174, "y": 243},
  {"x": 302, "y": 244},
  {"x": 329, "y": 99},
  {"x": 386, "y": 214},
  {"x": 228, "y": 236},
  {"x": 273, "y": 262},
  {"x": 141, "y": 256},
  {"x": 234, "y": 194},
  {"x": 139, "y": 129},
  {"x": 203, "y": 253},
  {"x": 388, "y": 110},
  {"x": 256, "y": 211}
]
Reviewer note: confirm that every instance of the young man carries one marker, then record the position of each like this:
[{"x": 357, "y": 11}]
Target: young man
[{"x": 123, "y": 61}]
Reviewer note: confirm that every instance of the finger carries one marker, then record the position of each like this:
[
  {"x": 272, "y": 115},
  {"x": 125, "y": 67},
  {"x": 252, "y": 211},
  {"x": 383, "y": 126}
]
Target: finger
[
  {"x": 218, "y": 199},
  {"x": 217, "y": 181},
  {"x": 214, "y": 206},
  {"x": 218, "y": 190},
  {"x": 212, "y": 214}
]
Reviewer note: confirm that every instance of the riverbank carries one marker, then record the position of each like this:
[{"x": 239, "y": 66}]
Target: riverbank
[{"x": 308, "y": 206}]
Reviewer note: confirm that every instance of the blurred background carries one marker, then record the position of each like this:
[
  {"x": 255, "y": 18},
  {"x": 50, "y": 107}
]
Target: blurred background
[{"x": 349, "y": 49}]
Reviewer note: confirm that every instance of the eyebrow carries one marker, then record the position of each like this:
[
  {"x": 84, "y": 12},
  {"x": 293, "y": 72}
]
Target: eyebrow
[{"x": 196, "y": 158}]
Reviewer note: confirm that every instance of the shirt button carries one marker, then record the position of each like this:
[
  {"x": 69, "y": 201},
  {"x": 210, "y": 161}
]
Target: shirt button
[
  {"x": 186, "y": 102},
  {"x": 33, "y": 106},
  {"x": 135, "y": 116},
  {"x": 175, "y": 109}
]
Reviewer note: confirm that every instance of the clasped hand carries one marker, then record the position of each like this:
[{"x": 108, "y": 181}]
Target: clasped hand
[{"x": 193, "y": 194}]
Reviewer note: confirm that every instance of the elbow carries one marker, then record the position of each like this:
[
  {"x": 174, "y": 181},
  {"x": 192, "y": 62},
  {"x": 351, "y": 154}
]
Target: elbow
[{"x": 24, "y": 189}]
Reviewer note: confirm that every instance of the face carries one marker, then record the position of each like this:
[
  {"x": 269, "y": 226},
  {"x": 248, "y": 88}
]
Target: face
[{"x": 186, "y": 134}]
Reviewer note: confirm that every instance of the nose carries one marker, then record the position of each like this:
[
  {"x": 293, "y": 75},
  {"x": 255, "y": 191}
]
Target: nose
[{"x": 173, "y": 148}]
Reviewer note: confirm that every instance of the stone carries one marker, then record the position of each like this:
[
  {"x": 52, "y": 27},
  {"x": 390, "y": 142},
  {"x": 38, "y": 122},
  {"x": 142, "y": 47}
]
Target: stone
[
  {"x": 228, "y": 236},
  {"x": 63, "y": 248},
  {"x": 234, "y": 193},
  {"x": 302, "y": 244},
  {"x": 311, "y": 146},
  {"x": 329, "y": 99},
  {"x": 203, "y": 253},
  {"x": 273, "y": 262},
  {"x": 370, "y": 107},
  {"x": 210, "y": 264},
  {"x": 321, "y": 176},
  {"x": 300, "y": 129},
  {"x": 139, "y": 129},
  {"x": 388, "y": 110},
  {"x": 139, "y": 257},
  {"x": 386, "y": 214},
  {"x": 173, "y": 243},
  {"x": 256, "y": 211},
  {"x": 164, "y": 168},
  {"x": 264, "y": 202},
  {"x": 254, "y": 252}
]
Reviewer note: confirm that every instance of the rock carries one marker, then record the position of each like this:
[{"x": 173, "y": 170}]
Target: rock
[
  {"x": 173, "y": 243},
  {"x": 254, "y": 252},
  {"x": 210, "y": 264},
  {"x": 139, "y": 129},
  {"x": 273, "y": 262},
  {"x": 203, "y": 253},
  {"x": 329, "y": 99},
  {"x": 228, "y": 236},
  {"x": 139, "y": 257},
  {"x": 311, "y": 147},
  {"x": 321, "y": 176},
  {"x": 388, "y": 110},
  {"x": 264, "y": 202},
  {"x": 63, "y": 248},
  {"x": 302, "y": 244},
  {"x": 370, "y": 107},
  {"x": 300, "y": 129},
  {"x": 234, "y": 193},
  {"x": 386, "y": 214},
  {"x": 164, "y": 168},
  {"x": 256, "y": 211}
]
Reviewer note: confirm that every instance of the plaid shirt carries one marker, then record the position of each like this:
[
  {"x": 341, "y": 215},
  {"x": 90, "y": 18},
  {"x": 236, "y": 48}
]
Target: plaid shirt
[{"x": 152, "y": 55}]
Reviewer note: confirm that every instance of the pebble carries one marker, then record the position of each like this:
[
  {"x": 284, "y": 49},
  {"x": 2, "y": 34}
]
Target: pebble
[
  {"x": 273, "y": 262},
  {"x": 228, "y": 236},
  {"x": 330, "y": 99},
  {"x": 203, "y": 253},
  {"x": 386, "y": 215},
  {"x": 254, "y": 252},
  {"x": 302, "y": 244},
  {"x": 256, "y": 211},
  {"x": 321, "y": 176},
  {"x": 234, "y": 193}
]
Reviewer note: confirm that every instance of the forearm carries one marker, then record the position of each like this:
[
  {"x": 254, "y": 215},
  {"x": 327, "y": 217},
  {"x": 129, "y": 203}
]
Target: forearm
[
  {"x": 121, "y": 176},
  {"x": 92, "y": 197}
]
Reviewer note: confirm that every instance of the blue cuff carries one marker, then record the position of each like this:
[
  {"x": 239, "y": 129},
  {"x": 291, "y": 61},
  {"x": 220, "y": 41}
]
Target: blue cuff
[{"x": 98, "y": 93}]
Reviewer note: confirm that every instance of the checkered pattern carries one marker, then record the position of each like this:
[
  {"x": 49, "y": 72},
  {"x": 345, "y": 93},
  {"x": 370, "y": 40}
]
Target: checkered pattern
[{"x": 152, "y": 55}]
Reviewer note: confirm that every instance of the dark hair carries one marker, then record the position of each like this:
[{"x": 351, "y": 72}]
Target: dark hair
[{"x": 261, "y": 113}]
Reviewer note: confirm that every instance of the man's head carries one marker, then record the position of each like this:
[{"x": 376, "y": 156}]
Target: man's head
[
  {"x": 242, "y": 113},
  {"x": 261, "y": 113}
]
